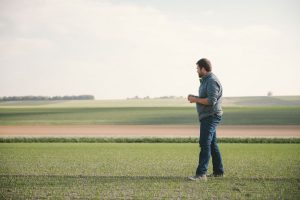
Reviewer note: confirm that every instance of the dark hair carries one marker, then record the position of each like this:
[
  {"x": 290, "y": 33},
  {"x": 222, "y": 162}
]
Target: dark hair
[{"x": 203, "y": 62}]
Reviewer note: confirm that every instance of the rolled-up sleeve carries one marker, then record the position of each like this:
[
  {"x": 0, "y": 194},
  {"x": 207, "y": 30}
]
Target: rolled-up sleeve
[{"x": 213, "y": 90}]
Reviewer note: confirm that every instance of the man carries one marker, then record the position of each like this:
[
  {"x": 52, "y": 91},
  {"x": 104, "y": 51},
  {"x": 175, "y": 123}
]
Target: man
[{"x": 209, "y": 109}]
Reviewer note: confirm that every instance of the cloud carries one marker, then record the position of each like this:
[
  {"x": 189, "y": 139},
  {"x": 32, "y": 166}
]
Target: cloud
[
  {"x": 119, "y": 50},
  {"x": 208, "y": 13}
]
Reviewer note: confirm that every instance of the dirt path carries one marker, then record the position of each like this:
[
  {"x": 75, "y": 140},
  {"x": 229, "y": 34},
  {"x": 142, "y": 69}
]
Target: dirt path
[{"x": 146, "y": 130}]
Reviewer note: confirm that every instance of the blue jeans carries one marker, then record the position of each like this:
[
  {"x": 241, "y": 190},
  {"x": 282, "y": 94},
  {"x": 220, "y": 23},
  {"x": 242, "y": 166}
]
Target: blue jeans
[{"x": 209, "y": 146}]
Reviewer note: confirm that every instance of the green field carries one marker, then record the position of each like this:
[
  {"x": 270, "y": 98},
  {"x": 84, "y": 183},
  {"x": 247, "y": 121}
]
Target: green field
[
  {"x": 289, "y": 115},
  {"x": 145, "y": 171},
  {"x": 94, "y": 168},
  {"x": 237, "y": 111}
]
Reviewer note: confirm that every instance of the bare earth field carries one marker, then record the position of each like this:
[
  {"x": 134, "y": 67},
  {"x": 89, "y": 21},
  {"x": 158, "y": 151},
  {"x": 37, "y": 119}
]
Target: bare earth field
[{"x": 145, "y": 131}]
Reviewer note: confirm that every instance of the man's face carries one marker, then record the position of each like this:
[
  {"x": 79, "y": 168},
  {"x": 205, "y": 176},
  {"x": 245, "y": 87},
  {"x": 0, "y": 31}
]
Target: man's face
[{"x": 200, "y": 72}]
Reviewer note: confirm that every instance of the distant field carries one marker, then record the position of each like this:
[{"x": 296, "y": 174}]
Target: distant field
[
  {"x": 145, "y": 115},
  {"x": 237, "y": 111},
  {"x": 145, "y": 171},
  {"x": 100, "y": 103}
]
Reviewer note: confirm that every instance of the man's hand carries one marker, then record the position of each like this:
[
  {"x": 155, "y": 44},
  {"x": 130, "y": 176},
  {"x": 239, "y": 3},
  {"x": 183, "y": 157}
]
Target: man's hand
[
  {"x": 195, "y": 99},
  {"x": 192, "y": 98}
]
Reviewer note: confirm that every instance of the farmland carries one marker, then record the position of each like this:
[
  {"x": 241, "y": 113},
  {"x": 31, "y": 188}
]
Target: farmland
[
  {"x": 146, "y": 115},
  {"x": 237, "y": 111},
  {"x": 145, "y": 171},
  {"x": 77, "y": 167}
]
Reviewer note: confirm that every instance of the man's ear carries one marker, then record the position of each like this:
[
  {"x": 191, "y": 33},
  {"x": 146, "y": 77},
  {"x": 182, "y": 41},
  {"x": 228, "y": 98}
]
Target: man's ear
[{"x": 203, "y": 70}]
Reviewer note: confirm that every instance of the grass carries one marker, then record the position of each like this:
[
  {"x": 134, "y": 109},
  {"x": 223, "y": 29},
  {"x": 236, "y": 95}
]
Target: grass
[
  {"x": 146, "y": 116},
  {"x": 141, "y": 140},
  {"x": 145, "y": 171}
]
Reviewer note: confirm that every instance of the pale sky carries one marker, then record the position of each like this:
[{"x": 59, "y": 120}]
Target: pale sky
[{"x": 122, "y": 48}]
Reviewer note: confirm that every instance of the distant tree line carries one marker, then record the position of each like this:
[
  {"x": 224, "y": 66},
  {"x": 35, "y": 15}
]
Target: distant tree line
[{"x": 41, "y": 98}]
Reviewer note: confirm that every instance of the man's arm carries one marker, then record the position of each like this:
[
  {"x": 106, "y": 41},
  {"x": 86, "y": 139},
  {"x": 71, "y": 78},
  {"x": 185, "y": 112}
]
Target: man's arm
[
  {"x": 194, "y": 99},
  {"x": 212, "y": 95},
  {"x": 213, "y": 90}
]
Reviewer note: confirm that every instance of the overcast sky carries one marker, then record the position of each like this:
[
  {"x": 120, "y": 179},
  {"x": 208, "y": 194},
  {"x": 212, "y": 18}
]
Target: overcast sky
[{"x": 122, "y": 48}]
